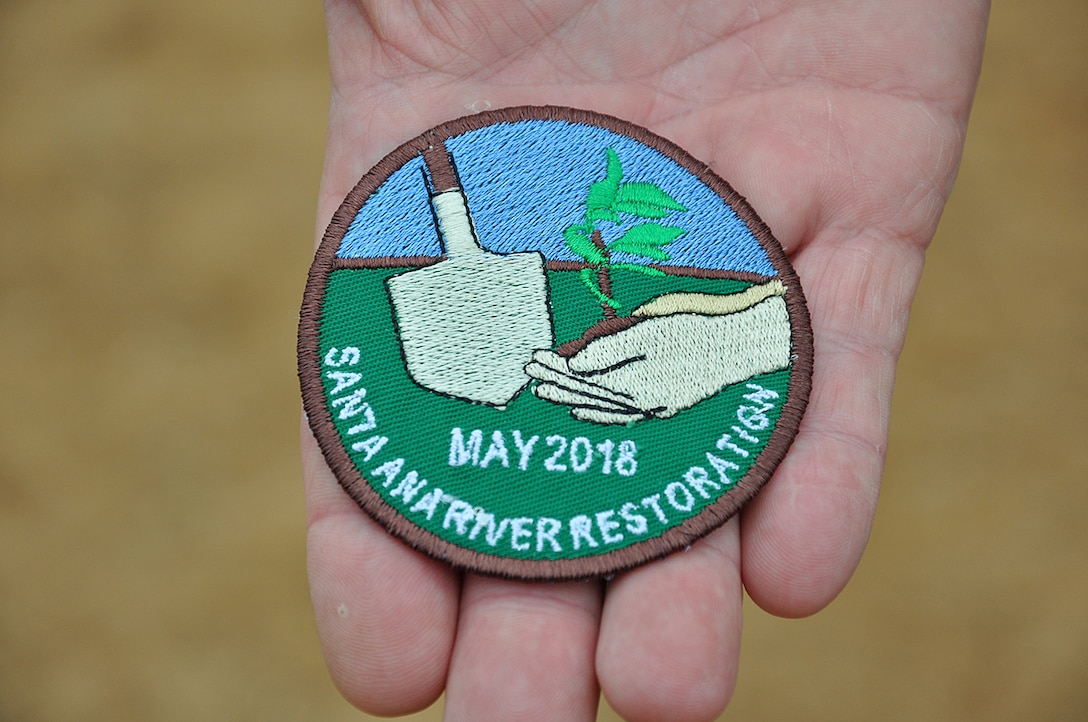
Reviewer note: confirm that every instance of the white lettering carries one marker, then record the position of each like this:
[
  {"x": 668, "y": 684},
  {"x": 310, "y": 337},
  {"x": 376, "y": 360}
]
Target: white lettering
[
  {"x": 389, "y": 470},
  {"x": 367, "y": 425},
  {"x": 459, "y": 513},
  {"x": 546, "y": 529},
  {"x": 525, "y": 449},
  {"x": 371, "y": 446},
  {"x": 497, "y": 450},
  {"x": 759, "y": 394},
  {"x": 348, "y": 357},
  {"x": 578, "y": 455},
  {"x": 486, "y": 521},
  {"x": 606, "y": 447},
  {"x": 636, "y": 523},
  {"x": 670, "y": 494},
  {"x": 343, "y": 379},
  {"x": 754, "y": 418},
  {"x": 698, "y": 479},
  {"x": 518, "y": 531},
  {"x": 408, "y": 487},
  {"x": 726, "y": 442},
  {"x": 352, "y": 403},
  {"x": 576, "y": 464},
  {"x": 651, "y": 502},
  {"x": 581, "y": 528},
  {"x": 606, "y": 526},
  {"x": 552, "y": 462},
  {"x": 460, "y": 453},
  {"x": 745, "y": 435},
  {"x": 626, "y": 464},
  {"x": 721, "y": 465},
  {"x": 429, "y": 503}
]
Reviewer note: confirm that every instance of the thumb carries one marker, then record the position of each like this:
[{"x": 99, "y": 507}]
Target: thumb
[{"x": 613, "y": 351}]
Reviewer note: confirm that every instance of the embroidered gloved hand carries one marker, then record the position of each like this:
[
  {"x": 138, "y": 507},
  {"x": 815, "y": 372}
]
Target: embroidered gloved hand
[{"x": 683, "y": 348}]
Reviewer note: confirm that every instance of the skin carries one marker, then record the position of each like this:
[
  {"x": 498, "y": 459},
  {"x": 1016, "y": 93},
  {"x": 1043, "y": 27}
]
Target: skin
[{"x": 843, "y": 124}]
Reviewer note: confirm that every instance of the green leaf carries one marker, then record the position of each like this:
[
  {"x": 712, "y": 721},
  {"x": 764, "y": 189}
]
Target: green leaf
[
  {"x": 602, "y": 214},
  {"x": 579, "y": 242},
  {"x": 589, "y": 277},
  {"x": 644, "y": 270},
  {"x": 646, "y": 194},
  {"x": 640, "y": 249},
  {"x": 642, "y": 210},
  {"x": 603, "y": 193},
  {"x": 646, "y": 234},
  {"x": 654, "y": 233}
]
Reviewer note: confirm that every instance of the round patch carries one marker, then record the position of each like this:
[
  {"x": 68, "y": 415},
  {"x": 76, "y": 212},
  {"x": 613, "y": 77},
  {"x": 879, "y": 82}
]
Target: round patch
[{"x": 545, "y": 343}]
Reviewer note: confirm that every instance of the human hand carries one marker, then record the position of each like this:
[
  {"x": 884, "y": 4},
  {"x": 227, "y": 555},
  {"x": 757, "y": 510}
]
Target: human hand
[
  {"x": 843, "y": 123},
  {"x": 682, "y": 349}
]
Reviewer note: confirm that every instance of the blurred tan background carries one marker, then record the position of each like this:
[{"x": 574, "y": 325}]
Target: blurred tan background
[{"x": 158, "y": 173}]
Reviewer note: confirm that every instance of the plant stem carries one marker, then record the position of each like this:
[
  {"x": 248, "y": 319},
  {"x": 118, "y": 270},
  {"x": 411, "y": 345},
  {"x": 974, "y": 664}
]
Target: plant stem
[{"x": 604, "y": 277}]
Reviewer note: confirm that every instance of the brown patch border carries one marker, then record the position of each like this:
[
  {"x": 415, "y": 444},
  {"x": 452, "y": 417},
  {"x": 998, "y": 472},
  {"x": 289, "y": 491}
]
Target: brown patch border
[{"x": 676, "y": 538}]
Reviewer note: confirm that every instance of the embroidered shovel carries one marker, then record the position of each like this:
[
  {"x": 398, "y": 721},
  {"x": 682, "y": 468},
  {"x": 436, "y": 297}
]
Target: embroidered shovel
[{"x": 470, "y": 323}]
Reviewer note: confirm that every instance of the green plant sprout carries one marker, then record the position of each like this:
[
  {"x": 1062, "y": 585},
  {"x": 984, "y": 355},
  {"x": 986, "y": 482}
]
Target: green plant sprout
[{"x": 609, "y": 200}]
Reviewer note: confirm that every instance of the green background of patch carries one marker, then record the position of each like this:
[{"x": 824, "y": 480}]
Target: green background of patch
[{"x": 418, "y": 423}]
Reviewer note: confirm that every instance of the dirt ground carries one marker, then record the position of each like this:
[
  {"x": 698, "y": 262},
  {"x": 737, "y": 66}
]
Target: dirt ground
[{"x": 158, "y": 174}]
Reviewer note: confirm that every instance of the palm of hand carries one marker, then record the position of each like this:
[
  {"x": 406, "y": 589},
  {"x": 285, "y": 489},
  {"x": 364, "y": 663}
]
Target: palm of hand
[{"x": 823, "y": 117}]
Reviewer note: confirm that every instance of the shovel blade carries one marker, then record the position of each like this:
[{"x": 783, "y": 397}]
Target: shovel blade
[{"x": 469, "y": 325}]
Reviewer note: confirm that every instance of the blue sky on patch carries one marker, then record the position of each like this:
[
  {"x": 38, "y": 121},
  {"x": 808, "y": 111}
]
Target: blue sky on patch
[{"x": 526, "y": 181}]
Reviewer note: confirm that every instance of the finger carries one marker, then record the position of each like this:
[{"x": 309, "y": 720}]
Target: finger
[
  {"x": 558, "y": 394},
  {"x": 579, "y": 386},
  {"x": 551, "y": 360},
  {"x": 804, "y": 534},
  {"x": 525, "y": 652},
  {"x": 670, "y": 633},
  {"x": 386, "y": 616},
  {"x": 545, "y": 373},
  {"x": 607, "y": 353}
]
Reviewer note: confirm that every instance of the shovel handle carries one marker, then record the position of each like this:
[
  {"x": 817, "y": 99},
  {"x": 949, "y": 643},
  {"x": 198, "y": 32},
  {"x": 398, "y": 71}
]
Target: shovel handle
[
  {"x": 455, "y": 229},
  {"x": 440, "y": 166}
]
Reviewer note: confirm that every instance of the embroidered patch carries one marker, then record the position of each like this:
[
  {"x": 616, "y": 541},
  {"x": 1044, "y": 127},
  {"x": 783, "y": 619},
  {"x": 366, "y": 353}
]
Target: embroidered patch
[{"x": 545, "y": 343}]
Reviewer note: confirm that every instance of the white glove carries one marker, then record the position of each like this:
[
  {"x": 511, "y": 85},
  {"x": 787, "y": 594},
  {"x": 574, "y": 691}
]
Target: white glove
[{"x": 683, "y": 350}]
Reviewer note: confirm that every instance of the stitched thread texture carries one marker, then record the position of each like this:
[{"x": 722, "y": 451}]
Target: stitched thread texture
[{"x": 533, "y": 363}]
